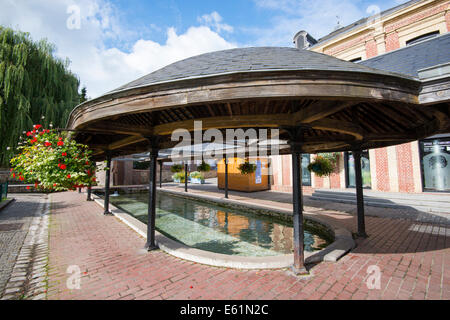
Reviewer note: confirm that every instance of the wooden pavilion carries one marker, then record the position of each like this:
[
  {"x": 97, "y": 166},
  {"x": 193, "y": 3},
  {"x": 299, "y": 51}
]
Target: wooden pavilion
[{"x": 319, "y": 103}]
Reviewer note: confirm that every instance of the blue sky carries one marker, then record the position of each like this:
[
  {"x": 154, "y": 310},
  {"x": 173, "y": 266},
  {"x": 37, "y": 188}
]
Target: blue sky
[
  {"x": 247, "y": 17},
  {"x": 116, "y": 41}
]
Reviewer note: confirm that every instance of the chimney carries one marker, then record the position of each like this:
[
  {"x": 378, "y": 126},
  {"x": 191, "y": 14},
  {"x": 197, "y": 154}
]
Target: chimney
[{"x": 303, "y": 40}]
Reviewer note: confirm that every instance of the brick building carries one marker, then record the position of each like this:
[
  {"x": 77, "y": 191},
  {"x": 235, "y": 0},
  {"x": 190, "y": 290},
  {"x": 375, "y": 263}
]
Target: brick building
[{"x": 413, "y": 39}]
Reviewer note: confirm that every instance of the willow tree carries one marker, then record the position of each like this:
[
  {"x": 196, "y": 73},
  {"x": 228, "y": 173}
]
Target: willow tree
[{"x": 35, "y": 87}]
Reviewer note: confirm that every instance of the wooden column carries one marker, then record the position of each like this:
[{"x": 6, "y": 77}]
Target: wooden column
[
  {"x": 89, "y": 194},
  {"x": 160, "y": 173},
  {"x": 359, "y": 194},
  {"x": 225, "y": 160},
  {"x": 185, "y": 177},
  {"x": 296, "y": 138},
  {"x": 151, "y": 222},
  {"x": 297, "y": 200},
  {"x": 107, "y": 182}
]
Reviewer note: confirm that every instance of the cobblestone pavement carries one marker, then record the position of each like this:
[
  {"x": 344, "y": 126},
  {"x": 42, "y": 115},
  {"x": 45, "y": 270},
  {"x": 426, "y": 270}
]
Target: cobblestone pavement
[
  {"x": 413, "y": 258},
  {"x": 17, "y": 226}
]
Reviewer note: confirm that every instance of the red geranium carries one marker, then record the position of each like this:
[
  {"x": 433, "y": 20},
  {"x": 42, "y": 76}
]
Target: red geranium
[{"x": 39, "y": 161}]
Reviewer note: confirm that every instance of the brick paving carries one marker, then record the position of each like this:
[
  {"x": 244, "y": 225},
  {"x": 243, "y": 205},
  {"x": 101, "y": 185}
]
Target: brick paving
[
  {"x": 15, "y": 222},
  {"x": 413, "y": 258}
]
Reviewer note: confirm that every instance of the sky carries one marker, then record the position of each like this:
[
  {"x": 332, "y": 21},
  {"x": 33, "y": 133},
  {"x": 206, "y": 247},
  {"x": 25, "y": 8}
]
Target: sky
[{"x": 112, "y": 42}]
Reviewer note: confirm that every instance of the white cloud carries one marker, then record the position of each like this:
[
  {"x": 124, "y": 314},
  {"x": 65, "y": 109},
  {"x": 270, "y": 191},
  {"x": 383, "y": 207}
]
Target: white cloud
[
  {"x": 213, "y": 20},
  {"x": 100, "y": 67},
  {"x": 316, "y": 17}
]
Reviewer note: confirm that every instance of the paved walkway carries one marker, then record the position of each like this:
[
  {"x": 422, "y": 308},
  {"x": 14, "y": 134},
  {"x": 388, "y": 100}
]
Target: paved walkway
[
  {"x": 413, "y": 258},
  {"x": 16, "y": 224}
]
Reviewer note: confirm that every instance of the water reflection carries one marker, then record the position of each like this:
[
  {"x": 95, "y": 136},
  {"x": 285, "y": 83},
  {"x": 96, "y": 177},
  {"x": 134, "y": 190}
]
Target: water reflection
[{"x": 214, "y": 228}]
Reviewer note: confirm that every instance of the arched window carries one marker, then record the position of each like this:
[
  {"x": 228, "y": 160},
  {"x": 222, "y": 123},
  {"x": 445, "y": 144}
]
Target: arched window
[{"x": 422, "y": 37}]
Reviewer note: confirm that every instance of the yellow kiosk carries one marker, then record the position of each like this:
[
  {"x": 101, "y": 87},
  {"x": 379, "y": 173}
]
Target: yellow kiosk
[{"x": 256, "y": 181}]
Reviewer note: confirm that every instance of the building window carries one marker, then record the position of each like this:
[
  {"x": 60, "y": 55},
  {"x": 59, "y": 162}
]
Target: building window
[
  {"x": 350, "y": 170},
  {"x": 422, "y": 37},
  {"x": 435, "y": 163},
  {"x": 356, "y": 59},
  {"x": 306, "y": 174}
]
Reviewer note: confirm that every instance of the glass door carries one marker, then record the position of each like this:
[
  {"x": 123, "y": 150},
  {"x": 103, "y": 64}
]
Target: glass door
[
  {"x": 306, "y": 174},
  {"x": 435, "y": 160}
]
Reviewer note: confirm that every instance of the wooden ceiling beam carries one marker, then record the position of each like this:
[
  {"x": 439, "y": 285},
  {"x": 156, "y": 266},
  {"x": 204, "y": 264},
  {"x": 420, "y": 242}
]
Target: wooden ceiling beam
[
  {"x": 117, "y": 128},
  {"x": 320, "y": 109},
  {"x": 339, "y": 126}
]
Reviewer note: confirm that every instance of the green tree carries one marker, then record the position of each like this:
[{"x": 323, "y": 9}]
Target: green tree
[
  {"x": 83, "y": 95},
  {"x": 35, "y": 87}
]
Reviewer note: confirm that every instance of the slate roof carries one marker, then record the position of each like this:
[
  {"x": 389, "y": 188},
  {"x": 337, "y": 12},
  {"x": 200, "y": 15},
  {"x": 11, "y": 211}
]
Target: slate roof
[
  {"x": 249, "y": 60},
  {"x": 408, "y": 60}
]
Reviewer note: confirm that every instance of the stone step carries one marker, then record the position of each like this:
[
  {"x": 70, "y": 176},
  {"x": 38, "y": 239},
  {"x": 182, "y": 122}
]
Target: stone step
[
  {"x": 400, "y": 201},
  {"x": 384, "y": 203},
  {"x": 437, "y": 197}
]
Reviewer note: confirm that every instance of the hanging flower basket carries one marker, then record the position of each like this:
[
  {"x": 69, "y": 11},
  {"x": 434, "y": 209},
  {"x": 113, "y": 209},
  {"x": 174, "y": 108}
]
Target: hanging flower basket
[
  {"x": 176, "y": 168},
  {"x": 324, "y": 164},
  {"x": 247, "y": 168},
  {"x": 204, "y": 167}
]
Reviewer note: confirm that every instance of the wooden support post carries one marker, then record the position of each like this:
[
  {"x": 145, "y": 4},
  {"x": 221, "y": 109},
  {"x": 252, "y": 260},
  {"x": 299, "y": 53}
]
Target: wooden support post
[
  {"x": 107, "y": 182},
  {"x": 296, "y": 142},
  {"x": 299, "y": 257},
  {"x": 226, "y": 176},
  {"x": 185, "y": 177},
  {"x": 151, "y": 243},
  {"x": 89, "y": 194},
  {"x": 160, "y": 173},
  {"x": 359, "y": 194}
]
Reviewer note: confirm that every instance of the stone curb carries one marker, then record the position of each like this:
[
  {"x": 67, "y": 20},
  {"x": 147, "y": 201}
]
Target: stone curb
[
  {"x": 343, "y": 243},
  {"x": 5, "y": 203},
  {"x": 29, "y": 276}
]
